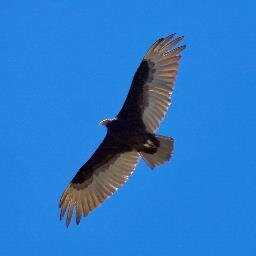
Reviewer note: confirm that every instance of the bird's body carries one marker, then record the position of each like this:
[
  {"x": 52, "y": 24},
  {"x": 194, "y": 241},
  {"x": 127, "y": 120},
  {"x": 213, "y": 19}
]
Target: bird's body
[{"x": 130, "y": 135}]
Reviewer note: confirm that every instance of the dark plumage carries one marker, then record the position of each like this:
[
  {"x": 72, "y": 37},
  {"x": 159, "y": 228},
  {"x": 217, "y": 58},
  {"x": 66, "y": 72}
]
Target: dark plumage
[{"x": 130, "y": 135}]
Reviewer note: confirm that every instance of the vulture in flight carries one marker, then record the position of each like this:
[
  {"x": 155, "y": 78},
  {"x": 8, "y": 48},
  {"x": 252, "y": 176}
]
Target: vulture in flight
[{"x": 130, "y": 135}]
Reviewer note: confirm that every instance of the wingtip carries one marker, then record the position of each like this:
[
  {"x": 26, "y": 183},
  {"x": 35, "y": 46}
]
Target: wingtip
[
  {"x": 174, "y": 41},
  {"x": 182, "y": 47},
  {"x": 68, "y": 220},
  {"x": 171, "y": 35},
  {"x": 78, "y": 218},
  {"x": 168, "y": 38}
]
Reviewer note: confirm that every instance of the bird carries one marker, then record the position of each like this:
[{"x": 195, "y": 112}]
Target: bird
[{"x": 131, "y": 135}]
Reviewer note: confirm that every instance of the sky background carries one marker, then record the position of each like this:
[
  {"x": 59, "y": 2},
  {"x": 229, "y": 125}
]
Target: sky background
[{"x": 66, "y": 65}]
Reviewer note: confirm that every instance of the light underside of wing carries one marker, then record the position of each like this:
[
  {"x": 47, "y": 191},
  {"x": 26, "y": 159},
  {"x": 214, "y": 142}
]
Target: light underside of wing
[
  {"x": 86, "y": 196},
  {"x": 163, "y": 60}
]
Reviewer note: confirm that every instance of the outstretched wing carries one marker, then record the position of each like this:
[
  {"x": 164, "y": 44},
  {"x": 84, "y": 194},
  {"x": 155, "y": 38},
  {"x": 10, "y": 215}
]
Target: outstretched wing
[
  {"x": 150, "y": 93},
  {"x": 107, "y": 169}
]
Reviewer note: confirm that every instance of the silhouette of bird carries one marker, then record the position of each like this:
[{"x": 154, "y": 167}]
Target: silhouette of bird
[{"x": 131, "y": 134}]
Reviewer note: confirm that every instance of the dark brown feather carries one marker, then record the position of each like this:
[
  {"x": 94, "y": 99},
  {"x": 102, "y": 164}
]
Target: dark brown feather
[
  {"x": 133, "y": 105},
  {"x": 108, "y": 169},
  {"x": 156, "y": 73}
]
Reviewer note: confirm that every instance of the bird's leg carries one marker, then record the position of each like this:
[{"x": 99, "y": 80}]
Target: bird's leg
[{"x": 150, "y": 144}]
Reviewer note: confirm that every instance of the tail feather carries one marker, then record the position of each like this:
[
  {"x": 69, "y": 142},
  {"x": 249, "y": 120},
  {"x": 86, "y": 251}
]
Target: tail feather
[{"x": 163, "y": 153}]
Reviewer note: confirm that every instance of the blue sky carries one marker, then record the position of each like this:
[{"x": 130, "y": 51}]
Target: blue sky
[{"x": 66, "y": 65}]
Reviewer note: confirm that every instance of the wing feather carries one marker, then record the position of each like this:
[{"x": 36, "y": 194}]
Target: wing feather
[
  {"x": 97, "y": 179},
  {"x": 151, "y": 90}
]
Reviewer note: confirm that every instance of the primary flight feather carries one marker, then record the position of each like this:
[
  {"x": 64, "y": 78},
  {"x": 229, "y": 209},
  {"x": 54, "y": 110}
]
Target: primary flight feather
[{"x": 130, "y": 135}]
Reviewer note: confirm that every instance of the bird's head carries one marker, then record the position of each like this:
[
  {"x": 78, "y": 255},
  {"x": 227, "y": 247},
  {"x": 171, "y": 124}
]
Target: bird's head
[{"x": 106, "y": 122}]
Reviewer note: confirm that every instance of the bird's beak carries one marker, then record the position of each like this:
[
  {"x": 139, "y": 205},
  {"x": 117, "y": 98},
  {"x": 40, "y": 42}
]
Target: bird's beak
[{"x": 103, "y": 123}]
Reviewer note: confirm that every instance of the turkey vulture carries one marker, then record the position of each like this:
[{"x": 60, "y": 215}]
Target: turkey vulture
[{"x": 130, "y": 135}]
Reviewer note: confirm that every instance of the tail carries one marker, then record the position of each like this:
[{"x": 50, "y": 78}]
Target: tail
[{"x": 163, "y": 153}]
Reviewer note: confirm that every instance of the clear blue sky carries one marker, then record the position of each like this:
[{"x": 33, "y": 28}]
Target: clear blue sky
[{"x": 66, "y": 65}]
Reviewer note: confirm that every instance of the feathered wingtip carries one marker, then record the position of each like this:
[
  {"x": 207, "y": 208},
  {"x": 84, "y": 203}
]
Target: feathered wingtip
[
  {"x": 164, "y": 45},
  {"x": 68, "y": 204}
]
